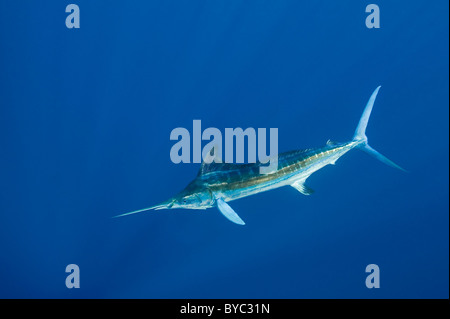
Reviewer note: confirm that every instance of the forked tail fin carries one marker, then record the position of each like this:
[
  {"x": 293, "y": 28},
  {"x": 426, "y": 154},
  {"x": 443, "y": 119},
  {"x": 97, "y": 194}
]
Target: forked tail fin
[{"x": 360, "y": 133}]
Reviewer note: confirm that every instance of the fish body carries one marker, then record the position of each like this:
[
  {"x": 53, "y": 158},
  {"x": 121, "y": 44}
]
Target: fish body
[
  {"x": 234, "y": 181},
  {"x": 218, "y": 183}
]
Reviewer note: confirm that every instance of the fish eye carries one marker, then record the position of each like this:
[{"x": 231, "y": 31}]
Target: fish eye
[
  {"x": 186, "y": 200},
  {"x": 190, "y": 199}
]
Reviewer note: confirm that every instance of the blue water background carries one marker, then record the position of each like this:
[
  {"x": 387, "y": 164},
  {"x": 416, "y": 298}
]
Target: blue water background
[{"x": 85, "y": 119}]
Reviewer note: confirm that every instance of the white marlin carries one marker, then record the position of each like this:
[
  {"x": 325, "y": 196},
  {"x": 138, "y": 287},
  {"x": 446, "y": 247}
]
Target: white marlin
[{"x": 218, "y": 183}]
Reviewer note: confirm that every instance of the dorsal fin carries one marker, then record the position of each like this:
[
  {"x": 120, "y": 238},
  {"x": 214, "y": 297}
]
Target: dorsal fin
[{"x": 210, "y": 160}]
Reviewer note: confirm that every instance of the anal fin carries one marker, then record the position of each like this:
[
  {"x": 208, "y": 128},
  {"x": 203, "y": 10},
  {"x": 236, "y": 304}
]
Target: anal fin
[{"x": 302, "y": 188}]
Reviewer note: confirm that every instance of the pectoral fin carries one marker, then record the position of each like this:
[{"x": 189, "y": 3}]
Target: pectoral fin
[
  {"x": 302, "y": 188},
  {"x": 228, "y": 212}
]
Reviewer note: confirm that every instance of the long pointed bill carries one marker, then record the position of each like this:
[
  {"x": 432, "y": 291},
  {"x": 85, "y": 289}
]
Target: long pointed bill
[{"x": 164, "y": 205}]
